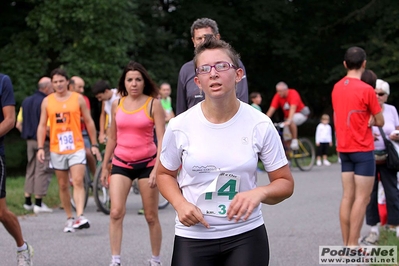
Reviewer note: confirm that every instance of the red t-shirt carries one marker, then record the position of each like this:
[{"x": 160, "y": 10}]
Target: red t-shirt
[
  {"x": 292, "y": 98},
  {"x": 353, "y": 103},
  {"x": 82, "y": 125}
]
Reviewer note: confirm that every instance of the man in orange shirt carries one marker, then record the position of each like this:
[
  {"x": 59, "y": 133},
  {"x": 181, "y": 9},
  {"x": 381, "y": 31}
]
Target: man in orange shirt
[{"x": 64, "y": 110}]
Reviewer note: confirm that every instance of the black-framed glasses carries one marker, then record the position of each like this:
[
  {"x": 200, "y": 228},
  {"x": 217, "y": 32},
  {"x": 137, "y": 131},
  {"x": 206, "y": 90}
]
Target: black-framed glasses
[
  {"x": 380, "y": 93},
  {"x": 219, "y": 67}
]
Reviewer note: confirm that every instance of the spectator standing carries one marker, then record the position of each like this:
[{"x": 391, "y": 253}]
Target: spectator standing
[
  {"x": 77, "y": 84},
  {"x": 7, "y": 218},
  {"x": 164, "y": 91},
  {"x": 188, "y": 93},
  {"x": 323, "y": 140},
  {"x": 387, "y": 176},
  {"x": 217, "y": 201},
  {"x": 353, "y": 119},
  {"x": 256, "y": 100},
  {"x": 135, "y": 155},
  {"x": 38, "y": 175},
  {"x": 103, "y": 92}
]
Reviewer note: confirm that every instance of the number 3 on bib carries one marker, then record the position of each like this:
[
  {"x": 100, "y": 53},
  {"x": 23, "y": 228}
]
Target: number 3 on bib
[{"x": 219, "y": 194}]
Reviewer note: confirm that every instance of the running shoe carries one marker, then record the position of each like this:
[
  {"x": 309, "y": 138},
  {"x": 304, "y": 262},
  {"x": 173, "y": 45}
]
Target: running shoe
[
  {"x": 42, "y": 209},
  {"x": 294, "y": 144},
  {"x": 25, "y": 257},
  {"x": 69, "y": 226},
  {"x": 81, "y": 223},
  {"x": 28, "y": 207},
  {"x": 326, "y": 162},
  {"x": 154, "y": 263},
  {"x": 115, "y": 264},
  {"x": 141, "y": 211},
  {"x": 371, "y": 239},
  {"x": 318, "y": 163}
]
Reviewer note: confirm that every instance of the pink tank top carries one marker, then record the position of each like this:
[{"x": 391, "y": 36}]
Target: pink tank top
[{"x": 134, "y": 135}]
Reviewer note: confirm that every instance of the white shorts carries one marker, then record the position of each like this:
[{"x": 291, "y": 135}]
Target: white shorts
[
  {"x": 65, "y": 161},
  {"x": 298, "y": 120}
]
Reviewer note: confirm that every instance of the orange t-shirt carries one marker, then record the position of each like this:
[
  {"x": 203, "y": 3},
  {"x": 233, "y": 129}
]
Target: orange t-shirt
[{"x": 65, "y": 129}]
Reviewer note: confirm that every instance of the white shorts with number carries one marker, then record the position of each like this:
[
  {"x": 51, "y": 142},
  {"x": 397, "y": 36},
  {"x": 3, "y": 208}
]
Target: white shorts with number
[{"x": 65, "y": 161}]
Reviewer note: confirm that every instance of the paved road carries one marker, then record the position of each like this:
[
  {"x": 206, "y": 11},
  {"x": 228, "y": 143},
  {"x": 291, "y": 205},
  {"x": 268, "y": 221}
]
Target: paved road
[{"x": 296, "y": 228}]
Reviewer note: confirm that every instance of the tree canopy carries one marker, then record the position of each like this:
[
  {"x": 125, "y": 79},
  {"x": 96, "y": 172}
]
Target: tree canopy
[{"x": 300, "y": 42}]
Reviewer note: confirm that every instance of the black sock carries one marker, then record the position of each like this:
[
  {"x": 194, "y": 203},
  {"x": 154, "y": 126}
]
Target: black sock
[
  {"x": 38, "y": 202},
  {"x": 28, "y": 201}
]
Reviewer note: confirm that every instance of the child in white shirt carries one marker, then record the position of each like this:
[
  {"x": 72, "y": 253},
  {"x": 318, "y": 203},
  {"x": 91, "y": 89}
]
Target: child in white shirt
[{"x": 323, "y": 140}]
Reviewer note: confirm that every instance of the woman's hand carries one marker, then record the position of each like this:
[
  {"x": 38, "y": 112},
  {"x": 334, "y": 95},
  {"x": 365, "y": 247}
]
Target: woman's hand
[
  {"x": 104, "y": 177},
  {"x": 243, "y": 204},
  {"x": 189, "y": 214},
  {"x": 152, "y": 180}
]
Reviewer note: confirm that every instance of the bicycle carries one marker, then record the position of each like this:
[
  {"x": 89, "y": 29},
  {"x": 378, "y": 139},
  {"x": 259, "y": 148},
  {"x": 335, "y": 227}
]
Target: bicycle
[
  {"x": 305, "y": 156},
  {"x": 101, "y": 193}
]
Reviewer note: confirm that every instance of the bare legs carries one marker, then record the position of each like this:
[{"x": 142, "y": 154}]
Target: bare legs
[
  {"x": 77, "y": 172},
  {"x": 119, "y": 190},
  {"x": 11, "y": 223},
  {"x": 356, "y": 196}
]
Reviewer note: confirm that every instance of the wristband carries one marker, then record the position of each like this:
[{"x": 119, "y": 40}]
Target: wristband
[
  {"x": 41, "y": 148},
  {"x": 95, "y": 145}
]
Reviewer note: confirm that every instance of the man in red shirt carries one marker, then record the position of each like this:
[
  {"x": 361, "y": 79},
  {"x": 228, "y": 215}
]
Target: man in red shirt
[
  {"x": 295, "y": 111},
  {"x": 356, "y": 110}
]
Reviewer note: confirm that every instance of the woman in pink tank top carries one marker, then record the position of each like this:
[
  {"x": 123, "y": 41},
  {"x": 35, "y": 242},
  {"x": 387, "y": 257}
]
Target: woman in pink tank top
[{"x": 131, "y": 140}]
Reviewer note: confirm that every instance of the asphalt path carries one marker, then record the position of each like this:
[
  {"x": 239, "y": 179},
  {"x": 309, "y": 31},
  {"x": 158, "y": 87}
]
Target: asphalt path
[{"x": 296, "y": 228}]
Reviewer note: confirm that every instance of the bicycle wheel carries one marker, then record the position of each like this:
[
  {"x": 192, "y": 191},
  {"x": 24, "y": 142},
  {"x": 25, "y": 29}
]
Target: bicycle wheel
[
  {"x": 305, "y": 156},
  {"x": 86, "y": 185},
  {"x": 101, "y": 193}
]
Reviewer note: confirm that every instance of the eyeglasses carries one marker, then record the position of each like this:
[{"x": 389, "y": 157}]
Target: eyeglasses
[
  {"x": 220, "y": 67},
  {"x": 380, "y": 93}
]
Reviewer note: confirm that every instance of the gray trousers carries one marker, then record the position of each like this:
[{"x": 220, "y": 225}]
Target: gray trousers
[{"x": 38, "y": 175}]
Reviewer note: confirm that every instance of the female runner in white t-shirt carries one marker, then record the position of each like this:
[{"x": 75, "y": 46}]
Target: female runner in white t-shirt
[{"x": 218, "y": 143}]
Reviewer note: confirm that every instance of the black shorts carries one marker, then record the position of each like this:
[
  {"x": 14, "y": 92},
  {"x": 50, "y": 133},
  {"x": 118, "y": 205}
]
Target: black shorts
[
  {"x": 2, "y": 177},
  {"x": 249, "y": 248},
  {"x": 132, "y": 173}
]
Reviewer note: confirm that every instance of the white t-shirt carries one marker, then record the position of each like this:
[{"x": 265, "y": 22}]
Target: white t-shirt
[
  {"x": 206, "y": 150},
  {"x": 391, "y": 119},
  {"x": 323, "y": 133},
  {"x": 108, "y": 105}
]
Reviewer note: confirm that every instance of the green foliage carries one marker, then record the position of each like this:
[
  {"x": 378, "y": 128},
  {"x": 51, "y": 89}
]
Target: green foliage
[{"x": 15, "y": 195}]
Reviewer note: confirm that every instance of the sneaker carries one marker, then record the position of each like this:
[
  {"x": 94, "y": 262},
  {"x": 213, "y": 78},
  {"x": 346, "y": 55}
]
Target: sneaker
[
  {"x": 69, "y": 226},
  {"x": 294, "y": 144},
  {"x": 25, "y": 257},
  {"x": 141, "y": 211},
  {"x": 154, "y": 263},
  {"x": 81, "y": 223},
  {"x": 42, "y": 209},
  {"x": 115, "y": 264},
  {"x": 371, "y": 239},
  {"x": 326, "y": 162},
  {"x": 318, "y": 163},
  {"x": 28, "y": 207}
]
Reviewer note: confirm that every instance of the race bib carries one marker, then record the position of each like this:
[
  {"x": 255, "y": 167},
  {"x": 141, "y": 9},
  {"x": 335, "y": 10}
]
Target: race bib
[
  {"x": 65, "y": 141},
  {"x": 218, "y": 195}
]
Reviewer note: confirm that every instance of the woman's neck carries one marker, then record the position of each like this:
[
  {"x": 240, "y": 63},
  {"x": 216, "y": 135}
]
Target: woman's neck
[{"x": 220, "y": 112}]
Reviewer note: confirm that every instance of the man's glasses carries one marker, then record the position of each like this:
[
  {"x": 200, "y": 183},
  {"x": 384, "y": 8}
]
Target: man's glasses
[
  {"x": 380, "y": 93},
  {"x": 219, "y": 67}
]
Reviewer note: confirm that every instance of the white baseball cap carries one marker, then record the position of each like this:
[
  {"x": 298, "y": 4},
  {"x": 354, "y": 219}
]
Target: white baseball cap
[{"x": 382, "y": 85}]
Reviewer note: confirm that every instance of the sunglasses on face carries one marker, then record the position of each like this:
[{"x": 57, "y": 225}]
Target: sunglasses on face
[{"x": 380, "y": 94}]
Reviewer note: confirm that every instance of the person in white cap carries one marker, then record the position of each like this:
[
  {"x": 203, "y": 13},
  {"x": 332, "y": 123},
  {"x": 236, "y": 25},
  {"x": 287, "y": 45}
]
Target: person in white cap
[{"x": 383, "y": 173}]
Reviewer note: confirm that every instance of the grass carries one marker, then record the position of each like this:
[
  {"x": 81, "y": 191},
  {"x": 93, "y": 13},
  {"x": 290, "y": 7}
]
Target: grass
[
  {"x": 15, "y": 195},
  {"x": 388, "y": 238}
]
